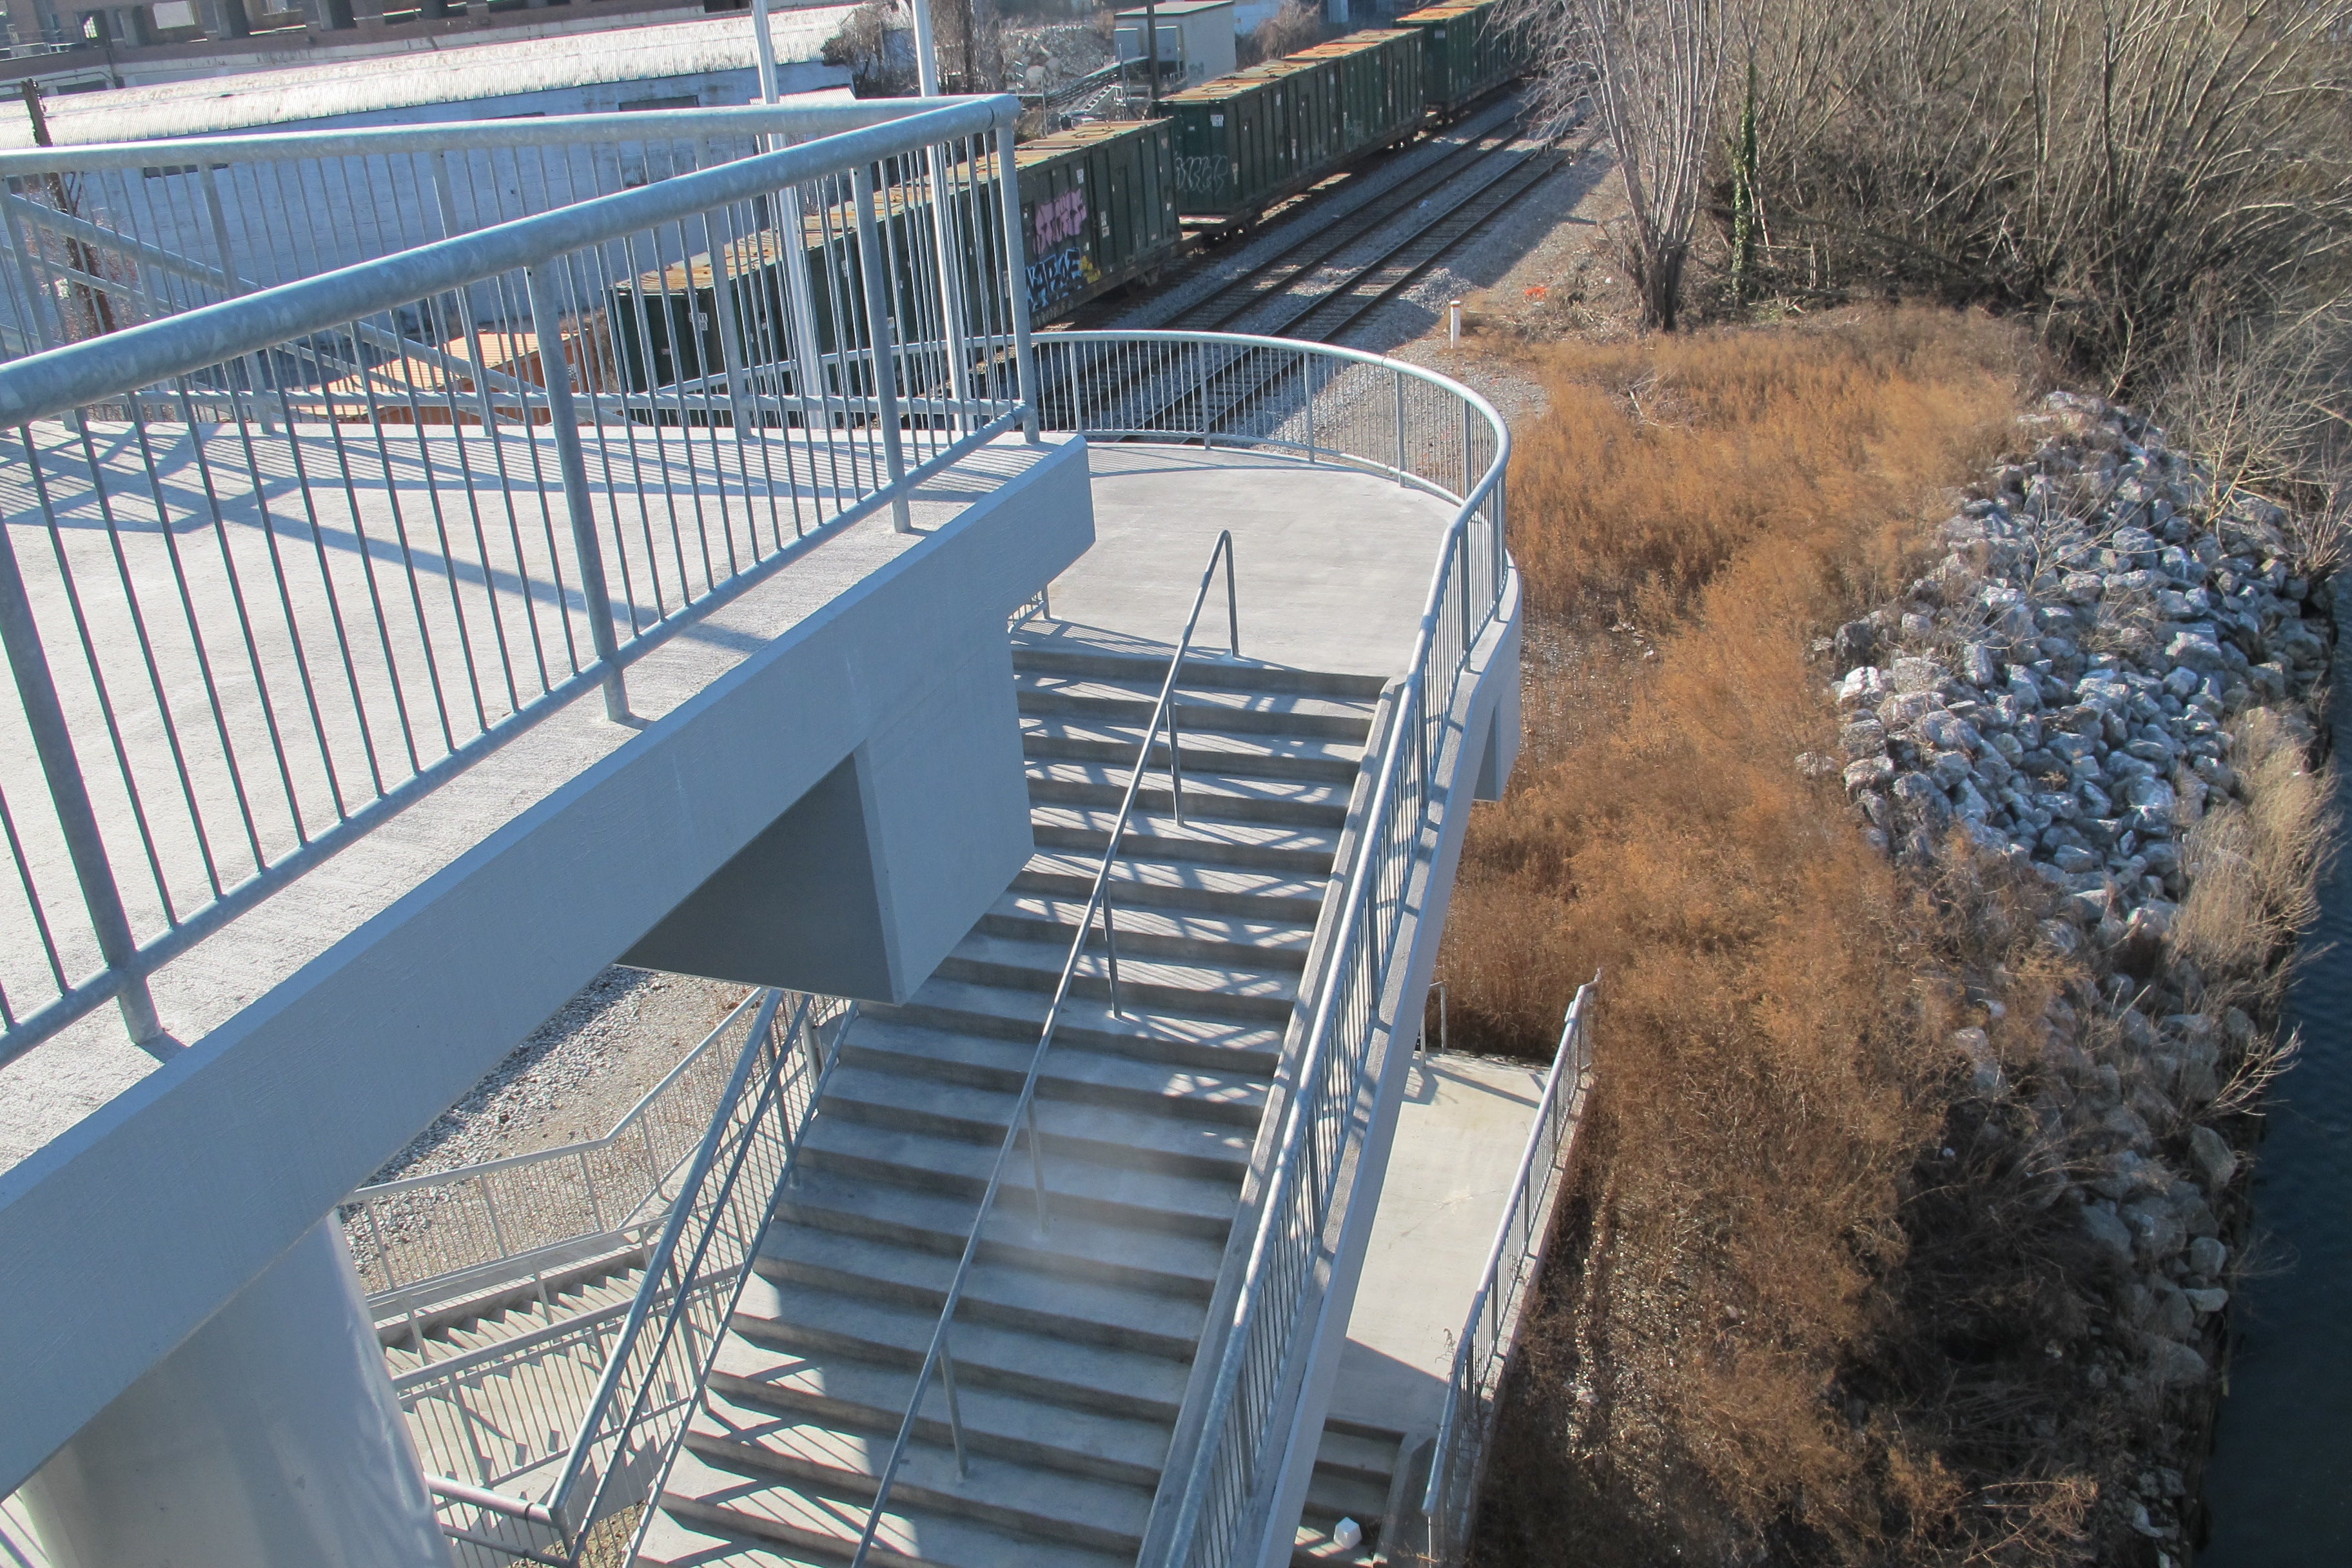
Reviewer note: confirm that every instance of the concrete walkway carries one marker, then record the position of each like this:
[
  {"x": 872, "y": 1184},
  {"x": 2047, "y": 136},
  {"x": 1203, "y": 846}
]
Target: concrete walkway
[
  {"x": 1458, "y": 1140},
  {"x": 1332, "y": 565}
]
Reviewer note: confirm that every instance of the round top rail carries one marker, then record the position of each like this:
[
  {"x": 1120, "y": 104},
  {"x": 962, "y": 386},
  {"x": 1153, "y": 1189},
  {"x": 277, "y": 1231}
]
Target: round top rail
[{"x": 363, "y": 141}]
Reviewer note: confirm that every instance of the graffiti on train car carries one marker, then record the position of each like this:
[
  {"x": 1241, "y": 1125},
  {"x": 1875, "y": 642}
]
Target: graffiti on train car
[
  {"x": 1200, "y": 173},
  {"x": 1059, "y": 266},
  {"x": 1052, "y": 222}
]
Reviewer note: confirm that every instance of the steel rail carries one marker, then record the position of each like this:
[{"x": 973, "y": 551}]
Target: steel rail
[
  {"x": 937, "y": 1354},
  {"x": 1397, "y": 267},
  {"x": 1318, "y": 242}
]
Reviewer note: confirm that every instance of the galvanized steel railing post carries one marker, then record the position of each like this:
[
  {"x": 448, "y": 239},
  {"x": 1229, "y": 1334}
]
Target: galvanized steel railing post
[
  {"x": 101, "y": 897},
  {"x": 883, "y": 354},
  {"x": 1399, "y": 426},
  {"x": 1016, "y": 281},
  {"x": 547, "y": 327}
]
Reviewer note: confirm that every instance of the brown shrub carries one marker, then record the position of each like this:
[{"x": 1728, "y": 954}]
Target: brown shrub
[{"x": 1768, "y": 1063}]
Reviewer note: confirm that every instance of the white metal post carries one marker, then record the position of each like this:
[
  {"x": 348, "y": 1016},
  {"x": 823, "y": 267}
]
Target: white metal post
[
  {"x": 1016, "y": 281},
  {"x": 882, "y": 354}
]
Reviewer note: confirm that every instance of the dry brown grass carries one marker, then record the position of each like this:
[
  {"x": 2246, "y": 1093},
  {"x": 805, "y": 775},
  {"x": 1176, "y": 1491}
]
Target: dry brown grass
[
  {"x": 1767, "y": 1060},
  {"x": 1662, "y": 460}
]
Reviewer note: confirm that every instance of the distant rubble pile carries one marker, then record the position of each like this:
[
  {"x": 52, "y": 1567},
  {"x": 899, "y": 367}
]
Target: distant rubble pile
[{"x": 2071, "y": 692}]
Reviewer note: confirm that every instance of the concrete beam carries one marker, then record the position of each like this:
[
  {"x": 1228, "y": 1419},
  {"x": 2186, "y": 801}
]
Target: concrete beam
[{"x": 196, "y": 1178}]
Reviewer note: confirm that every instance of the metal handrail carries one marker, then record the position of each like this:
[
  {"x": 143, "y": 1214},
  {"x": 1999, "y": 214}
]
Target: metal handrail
[
  {"x": 1232, "y": 1460},
  {"x": 47, "y": 385},
  {"x": 937, "y": 1356},
  {"x": 1458, "y": 1456}
]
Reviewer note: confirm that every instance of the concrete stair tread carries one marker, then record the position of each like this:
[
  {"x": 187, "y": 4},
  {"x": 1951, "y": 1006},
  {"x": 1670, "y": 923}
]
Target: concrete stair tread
[
  {"x": 1074, "y": 1183},
  {"x": 1230, "y": 990},
  {"x": 1065, "y": 657},
  {"x": 1311, "y": 1546},
  {"x": 1207, "y": 711},
  {"x": 1149, "y": 1028},
  {"x": 1074, "y": 1244},
  {"x": 981, "y": 1115},
  {"x": 1205, "y": 753},
  {"x": 1331, "y": 1496},
  {"x": 821, "y": 1529},
  {"x": 1272, "y": 937},
  {"x": 1361, "y": 1453},
  {"x": 1208, "y": 792},
  {"x": 1180, "y": 884},
  {"x": 822, "y": 1323},
  {"x": 674, "y": 1543},
  {"x": 1070, "y": 1073},
  {"x": 1203, "y": 832},
  {"x": 1086, "y": 1510},
  {"x": 995, "y": 1290},
  {"x": 873, "y": 1398}
]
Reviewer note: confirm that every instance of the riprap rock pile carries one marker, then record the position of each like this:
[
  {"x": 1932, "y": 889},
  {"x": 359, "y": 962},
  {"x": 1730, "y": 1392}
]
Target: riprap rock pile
[{"x": 2059, "y": 686}]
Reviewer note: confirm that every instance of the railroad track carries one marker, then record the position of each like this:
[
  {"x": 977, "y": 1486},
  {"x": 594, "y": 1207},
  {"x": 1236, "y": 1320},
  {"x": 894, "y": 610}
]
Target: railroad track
[
  {"x": 1316, "y": 244},
  {"x": 1449, "y": 201}
]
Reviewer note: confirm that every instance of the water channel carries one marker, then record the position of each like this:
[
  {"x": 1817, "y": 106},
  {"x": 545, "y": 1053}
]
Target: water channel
[{"x": 2280, "y": 1483}]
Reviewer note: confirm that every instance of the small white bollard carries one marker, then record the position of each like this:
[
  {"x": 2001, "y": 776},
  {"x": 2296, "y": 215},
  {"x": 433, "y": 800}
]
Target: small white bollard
[
  {"x": 1453, "y": 321},
  {"x": 1346, "y": 1535}
]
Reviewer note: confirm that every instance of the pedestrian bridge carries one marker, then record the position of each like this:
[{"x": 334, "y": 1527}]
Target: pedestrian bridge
[{"x": 1092, "y": 719}]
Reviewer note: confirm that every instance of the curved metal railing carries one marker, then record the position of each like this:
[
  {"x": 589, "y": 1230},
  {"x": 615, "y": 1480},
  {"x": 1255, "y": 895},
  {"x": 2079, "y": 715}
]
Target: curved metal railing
[
  {"x": 1323, "y": 404},
  {"x": 1022, "y": 1123}
]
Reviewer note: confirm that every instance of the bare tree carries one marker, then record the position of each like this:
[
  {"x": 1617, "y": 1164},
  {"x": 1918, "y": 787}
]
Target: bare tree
[{"x": 1654, "y": 65}]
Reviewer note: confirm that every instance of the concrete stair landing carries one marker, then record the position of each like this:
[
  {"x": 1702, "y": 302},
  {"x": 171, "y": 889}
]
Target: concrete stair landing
[{"x": 1076, "y": 1336}]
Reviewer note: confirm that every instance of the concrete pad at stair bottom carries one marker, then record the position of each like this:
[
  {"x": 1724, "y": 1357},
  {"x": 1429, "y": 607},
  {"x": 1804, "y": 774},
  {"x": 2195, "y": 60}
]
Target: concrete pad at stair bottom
[
  {"x": 1332, "y": 565},
  {"x": 1460, "y": 1132}
]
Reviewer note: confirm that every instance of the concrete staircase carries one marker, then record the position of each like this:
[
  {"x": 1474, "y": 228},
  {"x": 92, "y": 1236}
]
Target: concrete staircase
[
  {"x": 1074, "y": 1338},
  {"x": 512, "y": 1310}
]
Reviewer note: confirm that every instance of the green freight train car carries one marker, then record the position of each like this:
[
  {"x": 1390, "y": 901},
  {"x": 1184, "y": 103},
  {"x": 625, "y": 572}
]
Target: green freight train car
[
  {"x": 1246, "y": 141},
  {"x": 1467, "y": 51},
  {"x": 1098, "y": 209}
]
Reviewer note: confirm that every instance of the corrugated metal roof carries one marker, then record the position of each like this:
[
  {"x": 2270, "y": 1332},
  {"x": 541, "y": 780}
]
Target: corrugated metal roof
[{"x": 446, "y": 72}]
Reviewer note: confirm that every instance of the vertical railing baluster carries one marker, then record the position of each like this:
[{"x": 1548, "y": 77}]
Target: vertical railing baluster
[
  {"x": 547, "y": 326},
  {"x": 1016, "y": 280},
  {"x": 53, "y": 747},
  {"x": 883, "y": 350}
]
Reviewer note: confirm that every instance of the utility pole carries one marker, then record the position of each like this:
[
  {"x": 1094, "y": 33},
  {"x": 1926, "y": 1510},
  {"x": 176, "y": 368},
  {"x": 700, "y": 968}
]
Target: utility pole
[
  {"x": 926, "y": 58},
  {"x": 1150, "y": 54}
]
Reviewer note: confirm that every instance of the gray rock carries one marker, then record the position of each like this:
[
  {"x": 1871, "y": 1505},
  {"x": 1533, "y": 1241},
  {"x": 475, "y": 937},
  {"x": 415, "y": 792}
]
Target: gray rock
[
  {"x": 1914, "y": 675},
  {"x": 2196, "y": 650},
  {"x": 1854, "y": 643},
  {"x": 2110, "y": 1233},
  {"x": 2213, "y": 1156},
  {"x": 1976, "y": 665},
  {"x": 1918, "y": 628},
  {"x": 2171, "y": 1363},
  {"x": 2207, "y": 1255},
  {"x": 1867, "y": 773},
  {"x": 1865, "y": 736},
  {"x": 2207, "y": 1301}
]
